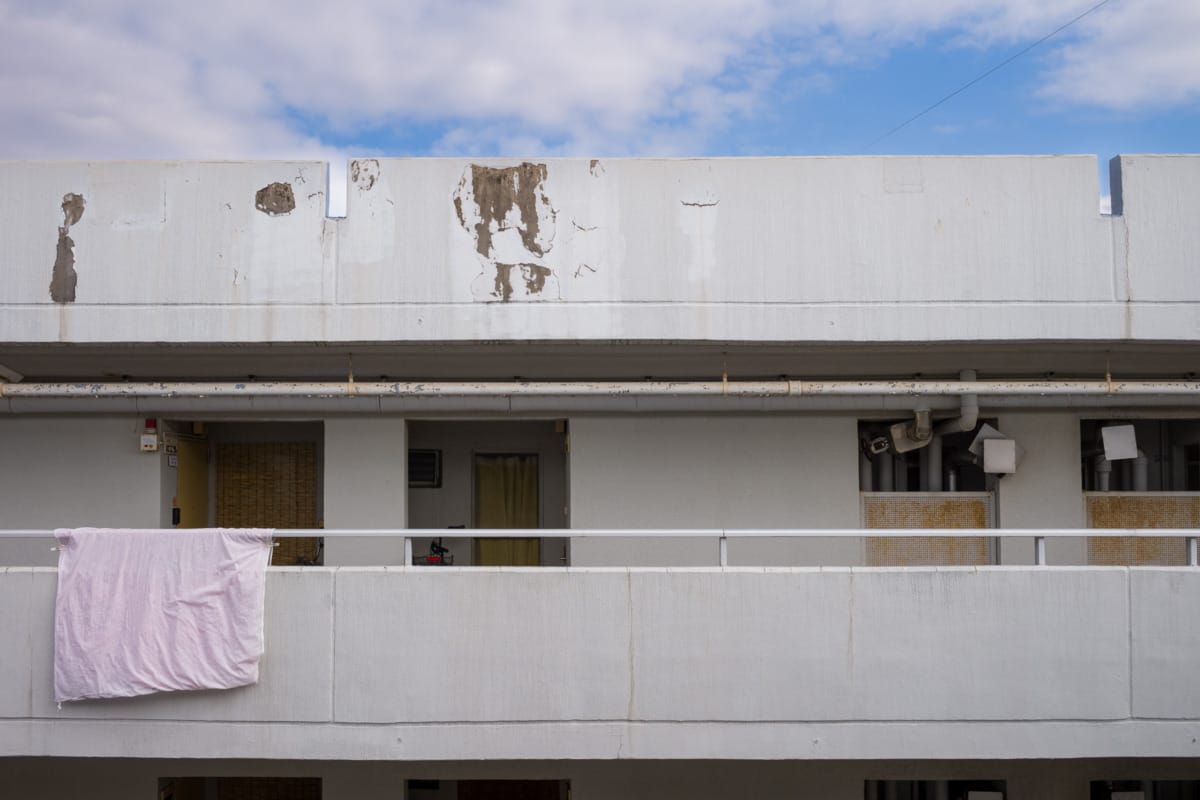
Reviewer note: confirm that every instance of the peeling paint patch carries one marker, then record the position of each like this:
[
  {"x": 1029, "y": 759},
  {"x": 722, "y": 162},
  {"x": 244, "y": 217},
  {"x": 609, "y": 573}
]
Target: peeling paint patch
[
  {"x": 275, "y": 199},
  {"x": 72, "y": 206},
  {"x": 496, "y": 192},
  {"x": 364, "y": 172},
  {"x": 63, "y": 277},
  {"x": 509, "y": 215},
  {"x": 533, "y": 277},
  {"x": 502, "y": 287}
]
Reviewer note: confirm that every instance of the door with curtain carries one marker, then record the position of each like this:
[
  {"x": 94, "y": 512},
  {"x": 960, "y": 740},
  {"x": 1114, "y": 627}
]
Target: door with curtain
[{"x": 506, "y": 496}]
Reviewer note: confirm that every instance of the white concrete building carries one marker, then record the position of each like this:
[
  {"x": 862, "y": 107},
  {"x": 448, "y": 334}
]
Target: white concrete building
[{"x": 725, "y": 355}]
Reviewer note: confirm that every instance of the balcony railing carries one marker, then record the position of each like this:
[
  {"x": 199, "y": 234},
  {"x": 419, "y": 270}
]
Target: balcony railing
[{"x": 720, "y": 536}]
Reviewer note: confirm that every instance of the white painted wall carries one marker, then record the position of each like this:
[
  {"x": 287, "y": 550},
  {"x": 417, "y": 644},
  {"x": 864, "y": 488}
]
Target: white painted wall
[
  {"x": 1160, "y": 206},
  {"x": 1045, "y": 492},
  {"x": 902, "y": 249},
  {"x": 714, "y": 472},
  {"x": 387, "y": 664},
  {"x": 71, "y": 472},
  {"x": 366, "y": 486}
]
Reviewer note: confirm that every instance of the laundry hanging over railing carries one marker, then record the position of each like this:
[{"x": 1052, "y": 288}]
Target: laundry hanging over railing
[{"x": 145, "y": 611}]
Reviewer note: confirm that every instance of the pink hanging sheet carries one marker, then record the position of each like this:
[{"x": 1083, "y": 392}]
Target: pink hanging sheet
[{"x": 143, "y": 611}]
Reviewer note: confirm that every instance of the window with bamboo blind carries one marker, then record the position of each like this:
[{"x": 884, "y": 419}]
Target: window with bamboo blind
[{"x": 270, "y": 485}]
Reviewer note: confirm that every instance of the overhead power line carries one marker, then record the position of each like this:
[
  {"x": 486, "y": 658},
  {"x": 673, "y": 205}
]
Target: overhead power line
[{"x": 978, "y": 78}]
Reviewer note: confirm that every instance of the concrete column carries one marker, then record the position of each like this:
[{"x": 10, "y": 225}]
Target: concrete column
[
  {"x": 1045, "y": 492},
  {"x": 366, "y": 486}
]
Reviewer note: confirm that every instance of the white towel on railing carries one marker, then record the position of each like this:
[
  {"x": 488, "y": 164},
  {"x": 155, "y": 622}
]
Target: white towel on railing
[{"x": 143, "y": 611}]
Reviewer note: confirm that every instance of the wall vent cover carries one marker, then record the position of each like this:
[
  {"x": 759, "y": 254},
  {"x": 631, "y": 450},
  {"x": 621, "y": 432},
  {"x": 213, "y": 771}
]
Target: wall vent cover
[{"x": 424, "y": 469}]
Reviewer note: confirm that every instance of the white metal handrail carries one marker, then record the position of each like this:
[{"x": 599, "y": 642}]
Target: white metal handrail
[{"x": 723, "y": 535}]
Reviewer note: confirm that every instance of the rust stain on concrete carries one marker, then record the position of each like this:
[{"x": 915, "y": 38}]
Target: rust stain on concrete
[
  {"x": 275, "y": 199},
  {"x": 63, "y": 277}
]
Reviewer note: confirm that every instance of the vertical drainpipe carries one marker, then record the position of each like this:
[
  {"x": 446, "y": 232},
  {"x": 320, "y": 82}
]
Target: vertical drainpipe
[
  {"x": 1103, "y": 469},
  {"x": 923, "y": 458},
  {"x": 967, "y": 419},
  {"x": 968, "y": 415},
  {"x": 1141, "y": 472},
  {"x": 935, "y": 464},
  {"x": 884, "y": 481},
  {"x": 865, "y": 473}
]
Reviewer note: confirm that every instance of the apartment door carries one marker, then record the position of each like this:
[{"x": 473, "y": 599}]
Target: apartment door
[{"x": 506, "y": 496}]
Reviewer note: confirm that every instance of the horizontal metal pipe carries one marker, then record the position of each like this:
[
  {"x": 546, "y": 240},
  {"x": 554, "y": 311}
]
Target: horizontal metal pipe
[
  {"x": 779, "y": 388},
  {"x": 730, "y": 533}
]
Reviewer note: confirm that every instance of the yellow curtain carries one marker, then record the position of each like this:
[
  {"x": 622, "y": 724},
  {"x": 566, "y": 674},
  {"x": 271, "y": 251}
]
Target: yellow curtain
[{"x": 506, "y": 496}]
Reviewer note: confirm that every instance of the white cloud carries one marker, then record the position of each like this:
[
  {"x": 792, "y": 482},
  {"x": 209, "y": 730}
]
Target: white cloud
[
  {"x": 1138, "y": 54},
  {"x": 228, "y": 78}
]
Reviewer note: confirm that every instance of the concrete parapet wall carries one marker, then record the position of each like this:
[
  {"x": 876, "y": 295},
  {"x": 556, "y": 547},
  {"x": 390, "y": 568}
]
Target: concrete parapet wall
[
  {"x": 849, "y": 663},
  {"x": 782, "y": 249}
]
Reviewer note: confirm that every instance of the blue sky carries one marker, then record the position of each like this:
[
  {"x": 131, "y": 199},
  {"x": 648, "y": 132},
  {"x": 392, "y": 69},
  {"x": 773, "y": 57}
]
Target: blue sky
[{"x": 231, "y": 79}]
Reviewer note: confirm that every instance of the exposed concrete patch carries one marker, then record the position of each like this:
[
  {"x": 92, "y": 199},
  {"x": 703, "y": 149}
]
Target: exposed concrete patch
[
  {"x": 275, "y": 199},
  {"x": 63, "y": 277},
  {"x": 496, "y": 190},
  {"x": 364, "y": 172},
  {"x": 533, "y": 276},
  {"x": 509, "y": 215},
  {"x": 72, "y": 206},
  {"x": 502, "y": 287}
]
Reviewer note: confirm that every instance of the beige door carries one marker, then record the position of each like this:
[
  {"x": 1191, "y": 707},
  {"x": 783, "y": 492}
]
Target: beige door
[
  {"x": 506, "y": 496},
  {"x": 191, "y": 487}
]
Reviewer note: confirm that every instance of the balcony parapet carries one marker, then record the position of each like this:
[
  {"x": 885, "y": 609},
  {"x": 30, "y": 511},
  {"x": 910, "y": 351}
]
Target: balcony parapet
[{"x": 425, "y": 663}]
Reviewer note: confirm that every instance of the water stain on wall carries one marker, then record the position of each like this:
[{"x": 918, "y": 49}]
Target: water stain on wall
[
  {"x": 275, "y": 199},
  {"x": 63, "y": 277}
]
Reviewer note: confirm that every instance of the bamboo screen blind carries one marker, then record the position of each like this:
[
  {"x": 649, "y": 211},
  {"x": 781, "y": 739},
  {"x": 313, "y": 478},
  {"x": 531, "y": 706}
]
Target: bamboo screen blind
[
  {"x": 269, "y": 485},
  {"x": 932, "y": 510},
  {"x": 1140, "y": 510}
]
